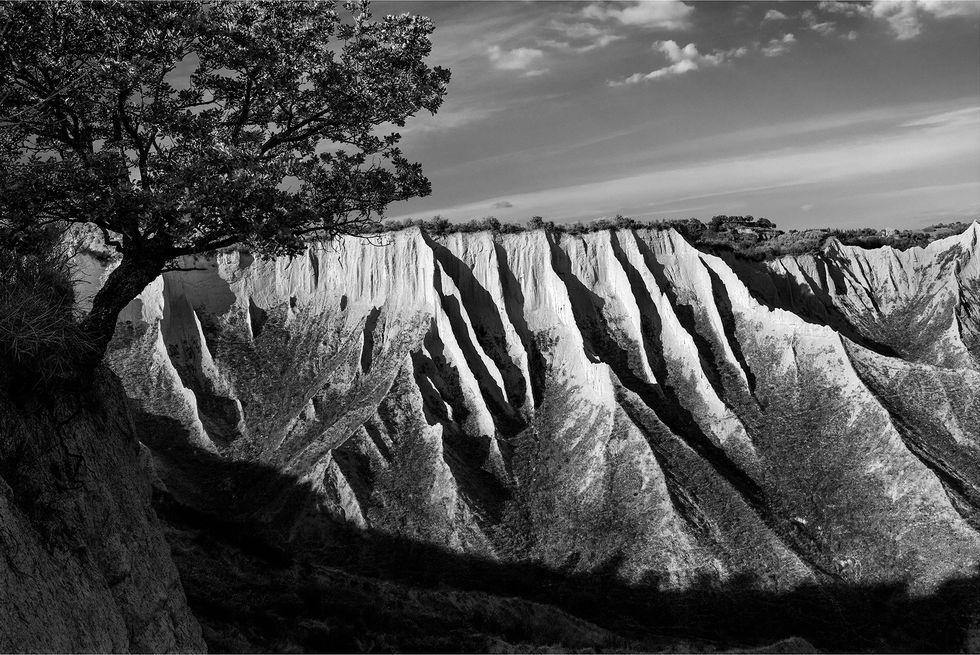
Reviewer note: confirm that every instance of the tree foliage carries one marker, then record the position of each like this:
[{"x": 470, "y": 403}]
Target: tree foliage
[{"x": 178, "y": 128}]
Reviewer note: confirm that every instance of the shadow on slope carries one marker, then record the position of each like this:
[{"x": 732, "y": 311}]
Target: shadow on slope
[
  {"x": 809, "y": 300},
  {"x": 299, "y": 580}
]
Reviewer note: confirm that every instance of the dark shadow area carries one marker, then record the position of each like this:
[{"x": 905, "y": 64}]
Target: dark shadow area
[
  {"x": 367, "y": 350},
  {"x": 485, "y": 318},
  {"x": 724, "y": 306},
  {"x": 514, "y": 306},
  {"x": 465, "y": 455},
  {"x": 261, "y": 564},
  {"x": 711, "y": 363}
]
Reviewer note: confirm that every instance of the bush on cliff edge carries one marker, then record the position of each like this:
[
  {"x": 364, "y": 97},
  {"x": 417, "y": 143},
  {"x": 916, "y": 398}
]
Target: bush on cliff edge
[{"x": 40, "y": 337}]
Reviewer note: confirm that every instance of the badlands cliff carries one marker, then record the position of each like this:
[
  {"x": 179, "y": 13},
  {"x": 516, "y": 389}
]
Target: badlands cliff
[{"x": 614, "y": 399}]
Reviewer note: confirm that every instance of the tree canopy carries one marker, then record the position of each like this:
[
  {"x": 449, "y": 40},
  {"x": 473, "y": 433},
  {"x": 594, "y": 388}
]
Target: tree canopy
[{"x": 178, "y": 128}]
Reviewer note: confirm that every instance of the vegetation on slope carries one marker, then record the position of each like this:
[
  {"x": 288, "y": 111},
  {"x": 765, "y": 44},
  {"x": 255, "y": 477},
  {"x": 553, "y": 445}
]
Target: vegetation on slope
[
  {"x": 744, "y": 236},
  {"x": 40, "y": 335}
]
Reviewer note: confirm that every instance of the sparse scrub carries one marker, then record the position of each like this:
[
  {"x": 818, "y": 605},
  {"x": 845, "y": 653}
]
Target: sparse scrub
[
  {"x": 898, "y": 239},
  {"x": 746, "y": 237}
]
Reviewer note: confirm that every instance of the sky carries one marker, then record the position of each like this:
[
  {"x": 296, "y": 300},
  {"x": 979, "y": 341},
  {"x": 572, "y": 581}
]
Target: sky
[{"x": 813, "y": 114}]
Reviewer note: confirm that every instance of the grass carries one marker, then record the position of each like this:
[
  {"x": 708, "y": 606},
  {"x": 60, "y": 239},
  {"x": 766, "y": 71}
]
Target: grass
[{"x": 40, "y": 336}]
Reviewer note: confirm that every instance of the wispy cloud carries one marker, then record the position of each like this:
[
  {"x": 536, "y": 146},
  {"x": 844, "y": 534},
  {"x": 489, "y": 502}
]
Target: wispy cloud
[
  {"x": 689, "y": 59},
  {"x": 780, "y": 46},
  {"x": 682, "y": 60},
  {"x": 904, "y": 17},
  {"x": 454, "y": 114},
  {"x": 928, "y": 145},
  {"x": 813, "y": 22},
  {"x": 773, "y": 15},
  {"x": 518, "y": 59},
  {"x": 664, "y": 15},
  {"x": 581, "y": 36},
  {"x": 956, "y": 118},
  {"x": 845, "y": 7}
]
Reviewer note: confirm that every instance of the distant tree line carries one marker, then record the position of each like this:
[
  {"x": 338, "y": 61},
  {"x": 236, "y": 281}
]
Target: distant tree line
[{"x": 744, "y": 236}]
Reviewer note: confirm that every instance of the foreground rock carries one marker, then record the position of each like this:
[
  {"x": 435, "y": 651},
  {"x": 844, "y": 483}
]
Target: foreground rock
[{"x": 85, "y": 566}]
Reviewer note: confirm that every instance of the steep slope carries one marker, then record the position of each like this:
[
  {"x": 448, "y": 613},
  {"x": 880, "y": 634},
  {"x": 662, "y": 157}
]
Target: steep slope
[
  {"x": 85, "y": 566},
  {"x": 919, "y": 304},
  {"x": 617, "y": 401}
]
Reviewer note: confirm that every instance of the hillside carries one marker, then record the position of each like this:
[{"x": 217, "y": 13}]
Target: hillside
[{"x": 615, "y": 404}]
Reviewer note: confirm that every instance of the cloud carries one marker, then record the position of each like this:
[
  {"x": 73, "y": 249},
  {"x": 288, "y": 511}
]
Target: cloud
[
  {"x": 956, "y": 118},
  {"x": 451, "y": 115},
  {"x": 851, "y": 163},
  {"x": 578, "y": 30},
  {"x": 844, "y": 7},
  {"x": 823, "y": 28},
  {"x": 682, "y": 60},
  {"x": 666, "y": 14},
  {"x": 518, "y": 59},
  {"x": 903, "y": 17},
  {"x": 501, "y": 204},
  {"x": 807, "y": 207},
  {"x": 772, "y": 15},
  {"x": 581, "y": 36},
  {"x": 781, "y": 46}
]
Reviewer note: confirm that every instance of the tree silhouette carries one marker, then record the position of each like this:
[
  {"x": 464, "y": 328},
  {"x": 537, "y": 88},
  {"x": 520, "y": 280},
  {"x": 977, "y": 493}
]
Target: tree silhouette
[{"x": 179, "y": 128}]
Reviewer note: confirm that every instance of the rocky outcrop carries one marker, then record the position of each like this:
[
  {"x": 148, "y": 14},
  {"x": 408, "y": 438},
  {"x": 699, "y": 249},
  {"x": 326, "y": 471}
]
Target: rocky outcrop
[
  {"x": 84, "y": 564},
  {"x": 617, "y": 401}
]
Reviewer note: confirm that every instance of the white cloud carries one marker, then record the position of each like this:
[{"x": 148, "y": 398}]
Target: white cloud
[
  {"x": 781, "y": 46},
  {"x": 578, "y": 30},
  {"x": 843, "y": 7},
  {"x": 666, "y": 14},
  {"x": 823, "y": 28},
  {"x": 956, "y": 118},
  {"x": 773, "y": 14},
  {"x": 849, "y": 163},
  {"x": 518, "y": 59},
  {"x": 600, "y": 42},
  {"x": 451, "y": 115},
  {"x": 904, "y": 17},
  {"x": 682, "y": 60},
  {"x": 581, "y": 36}
]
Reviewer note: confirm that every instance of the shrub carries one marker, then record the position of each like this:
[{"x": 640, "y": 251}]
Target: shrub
[
  {"x": 40, "y": 338},
  {"x": 746, "y": 237}
]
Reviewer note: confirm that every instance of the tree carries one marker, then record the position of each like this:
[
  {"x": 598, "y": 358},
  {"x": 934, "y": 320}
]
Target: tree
[{"x": 179, "y": 128}]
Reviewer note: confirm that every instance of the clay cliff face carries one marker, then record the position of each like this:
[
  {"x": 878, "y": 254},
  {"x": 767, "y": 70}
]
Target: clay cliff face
[{"x": 617, "y": 401}]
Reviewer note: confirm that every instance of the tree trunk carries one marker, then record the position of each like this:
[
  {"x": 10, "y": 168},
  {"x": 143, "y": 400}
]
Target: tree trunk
[{"x": 123, "y": 284}]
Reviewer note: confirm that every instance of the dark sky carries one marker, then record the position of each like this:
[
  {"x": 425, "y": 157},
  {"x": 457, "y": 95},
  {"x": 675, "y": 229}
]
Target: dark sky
[{"x": 814, "y": 114}]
